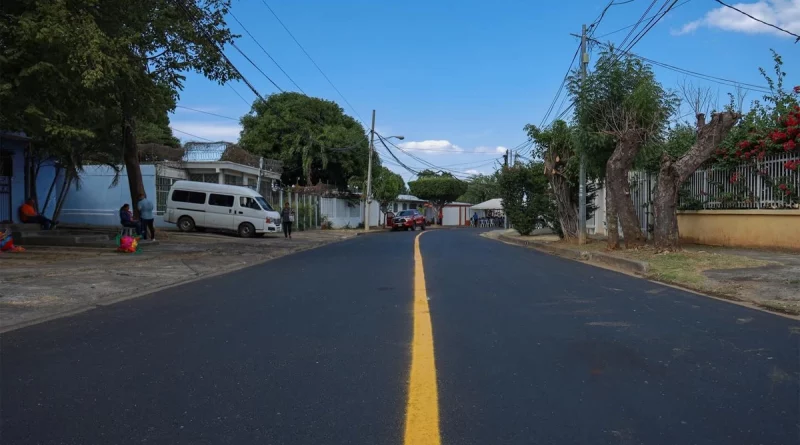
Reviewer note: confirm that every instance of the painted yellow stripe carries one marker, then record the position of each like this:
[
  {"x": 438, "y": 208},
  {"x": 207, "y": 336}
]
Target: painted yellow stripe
[{"x": 422, "y": 408}]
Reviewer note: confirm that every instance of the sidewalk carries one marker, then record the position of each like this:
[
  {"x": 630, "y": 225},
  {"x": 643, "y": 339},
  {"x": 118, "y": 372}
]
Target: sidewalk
[
  {"x": 767, "y": 279},
  {"x": 47, "y": 282}
]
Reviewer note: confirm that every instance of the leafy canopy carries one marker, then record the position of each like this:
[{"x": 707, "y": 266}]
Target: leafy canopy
[
  {"x": 313, "y": 137},
  {"x": 620, "y": 97},
  {"x": 481, "y": 188},
  {"x": 386, "y": 185},
  {"x": 437, "y": 188},
  {"x": 526, "y": 200}
]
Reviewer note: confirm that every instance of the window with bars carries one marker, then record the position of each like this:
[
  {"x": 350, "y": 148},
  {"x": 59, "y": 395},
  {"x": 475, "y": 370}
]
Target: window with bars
[
  {"x": 162, "y": 192},
  {"x": 211, "y": 178},
  {"x": 234, "y": 180}
]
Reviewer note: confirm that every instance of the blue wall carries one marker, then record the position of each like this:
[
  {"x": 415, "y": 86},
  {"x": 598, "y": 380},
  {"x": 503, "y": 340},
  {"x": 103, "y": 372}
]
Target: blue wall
[
  {"x": 94, "y": 201},
  {"x": 46, "y": 173}
]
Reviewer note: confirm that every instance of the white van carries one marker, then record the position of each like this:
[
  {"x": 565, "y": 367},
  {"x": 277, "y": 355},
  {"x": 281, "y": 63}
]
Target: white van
[{"x": 201, "y": 205}]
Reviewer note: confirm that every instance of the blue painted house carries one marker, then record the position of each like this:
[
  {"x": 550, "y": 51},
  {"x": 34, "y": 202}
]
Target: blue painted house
[{"x": 17, "y": 178}]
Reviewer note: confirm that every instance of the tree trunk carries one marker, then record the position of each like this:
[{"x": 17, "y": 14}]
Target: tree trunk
[
  {"x": 567, "y": 212},
  {"x": 673, "y": 173},
  {"x": 50, "y": 190},
  {"x": 618, "y": 191},
  {"x": 611, "y": 219},
  {"x": 131, "y": 156},
  {"x": 62, "y": 195}
]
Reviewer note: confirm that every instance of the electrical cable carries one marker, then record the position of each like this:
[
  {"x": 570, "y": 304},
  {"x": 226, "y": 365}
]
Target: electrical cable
[
  {"x": 315, "y": 63},
  {"x": 759, "y": 20},
  {"x": 219, "y": 50},
  {"x": 630, "y": 26},
  {"x": 206, "y": 112},
  {"x": 267, "y": 53}
]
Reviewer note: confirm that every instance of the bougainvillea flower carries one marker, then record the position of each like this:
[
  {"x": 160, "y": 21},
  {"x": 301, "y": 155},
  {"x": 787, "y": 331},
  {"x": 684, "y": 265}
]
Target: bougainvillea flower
[{"x": 789, "y": 146}]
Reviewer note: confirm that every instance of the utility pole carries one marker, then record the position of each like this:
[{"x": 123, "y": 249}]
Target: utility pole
[
  {"x": 582, "y": 174},
  {"x": 369, "y": 173},
  {"x": 505, "y": 214}
]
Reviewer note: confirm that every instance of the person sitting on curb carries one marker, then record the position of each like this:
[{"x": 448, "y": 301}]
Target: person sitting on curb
[
  {"x": 126, "y": 219},
  {"x": 29, "y": 215}
]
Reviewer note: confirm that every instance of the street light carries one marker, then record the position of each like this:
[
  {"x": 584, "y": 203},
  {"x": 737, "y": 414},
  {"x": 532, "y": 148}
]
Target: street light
[{"x": 368, "y": 197}]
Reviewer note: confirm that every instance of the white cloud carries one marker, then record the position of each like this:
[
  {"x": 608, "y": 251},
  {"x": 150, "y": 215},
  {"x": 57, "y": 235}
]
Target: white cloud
[
  {"x": 472, "y": 172},
  {"x": 499, "y": 149},
  {"x": 782, "y": 13},
  {"x": 215, "y": 131},
  {"x": 440, "y": 147}
]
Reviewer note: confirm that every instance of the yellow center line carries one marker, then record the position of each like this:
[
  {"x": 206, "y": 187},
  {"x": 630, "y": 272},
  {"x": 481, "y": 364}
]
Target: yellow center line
[{"x": 422, "y": 407}]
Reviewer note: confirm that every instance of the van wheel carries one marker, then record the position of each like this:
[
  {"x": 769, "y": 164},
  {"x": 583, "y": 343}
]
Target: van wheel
[
  {"x": 246, "y": 230},
  {"x": 185, "y": 224}
]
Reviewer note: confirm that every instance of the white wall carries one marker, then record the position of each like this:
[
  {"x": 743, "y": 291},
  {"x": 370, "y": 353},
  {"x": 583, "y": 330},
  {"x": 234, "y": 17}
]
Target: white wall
[
  {"x": 340, "y": 214},
  {"x": 451, "y": 215}
]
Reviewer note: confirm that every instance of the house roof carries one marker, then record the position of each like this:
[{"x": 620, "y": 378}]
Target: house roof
[
  {"x": 492, "y": 204},
  {"x": 14, "y": 135},
  {"x": 408, "y": 198}
]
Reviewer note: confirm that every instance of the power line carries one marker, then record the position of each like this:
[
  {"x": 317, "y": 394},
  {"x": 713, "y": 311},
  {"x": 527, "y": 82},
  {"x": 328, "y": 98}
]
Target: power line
[
  {"x": 759, "y": 20},
  {"x": 219, "y": 50},
  {"x": 720, "y": 80},
  {"x": 267, "y": 53},
  {"x": 422, "y": 161},
  {"x": 561, "y": 87},
  {"x": 631, "y": 26},
  {"x": 190, "y": 134},
  {"x": 652, "y": 23},
  {"x": 409, "y": 169},
  {"x": 312, "y": 61},
  {"x": 206, "y": 112},
  {"x": 636, "y": 25},
  {"x": 240, "y": 96},
  {"x": 256, "y": 66}
]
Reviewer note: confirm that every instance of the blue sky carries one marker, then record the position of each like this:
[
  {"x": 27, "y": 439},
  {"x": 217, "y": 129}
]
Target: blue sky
[{"x": 459, "y": 79}]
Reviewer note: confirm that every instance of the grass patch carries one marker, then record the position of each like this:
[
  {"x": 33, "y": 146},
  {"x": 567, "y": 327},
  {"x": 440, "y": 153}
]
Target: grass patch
[{"x": 685, "y": 267}]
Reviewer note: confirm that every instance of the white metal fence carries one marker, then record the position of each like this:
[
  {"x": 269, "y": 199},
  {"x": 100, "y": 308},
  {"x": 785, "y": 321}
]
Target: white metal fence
[{"x": 753, "y": 185}]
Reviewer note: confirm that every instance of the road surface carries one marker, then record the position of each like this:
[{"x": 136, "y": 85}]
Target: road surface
[{"x": 333, "y": 346}]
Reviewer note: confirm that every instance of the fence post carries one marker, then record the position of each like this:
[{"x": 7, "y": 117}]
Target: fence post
[{"x": 760, "y": 191}]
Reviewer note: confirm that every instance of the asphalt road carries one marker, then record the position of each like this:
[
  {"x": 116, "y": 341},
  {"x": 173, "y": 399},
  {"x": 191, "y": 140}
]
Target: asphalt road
[{"x": 315, "y": 348}]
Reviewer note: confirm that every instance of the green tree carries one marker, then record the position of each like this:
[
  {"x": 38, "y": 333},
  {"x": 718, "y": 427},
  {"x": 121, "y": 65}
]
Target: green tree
[
  {"x": 72, "y": 71},
  {"x": 620, "y": 107},
  {"x": 313, "y": 137},
  {"x": 386, "y": 186},
  {"x": 481, "y": 188},
  {"x": 526, "y": 200},
  {"x": 437, "y": 188}
]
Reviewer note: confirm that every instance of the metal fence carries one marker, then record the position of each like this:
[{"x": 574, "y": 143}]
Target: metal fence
[{"x": 753, "y": 185}]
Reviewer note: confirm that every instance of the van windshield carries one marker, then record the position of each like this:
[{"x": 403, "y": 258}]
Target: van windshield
[{"x": 264, "y": 204}]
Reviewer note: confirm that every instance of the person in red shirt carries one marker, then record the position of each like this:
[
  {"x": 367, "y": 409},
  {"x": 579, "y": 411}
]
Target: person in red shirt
[{"x": 29, "y": 215}]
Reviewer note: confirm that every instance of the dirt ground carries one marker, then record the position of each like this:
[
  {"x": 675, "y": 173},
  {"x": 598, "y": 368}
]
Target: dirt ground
[
  {"x": 769, "y": 279},
  {"x": 43, "y": 282}
]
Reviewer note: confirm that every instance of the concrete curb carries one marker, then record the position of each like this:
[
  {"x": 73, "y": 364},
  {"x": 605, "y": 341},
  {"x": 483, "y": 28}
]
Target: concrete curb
[{"x": 632, "y": 266}]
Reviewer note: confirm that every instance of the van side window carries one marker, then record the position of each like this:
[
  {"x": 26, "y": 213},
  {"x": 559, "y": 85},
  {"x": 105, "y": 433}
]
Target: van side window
[
  {"x": 190, "y": 197},
  {"x": 248, "y": 203},
  {"x": 220, "y": 200}
]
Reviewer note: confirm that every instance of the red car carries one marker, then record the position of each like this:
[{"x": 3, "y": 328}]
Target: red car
[{"x": 408, "y": 219}]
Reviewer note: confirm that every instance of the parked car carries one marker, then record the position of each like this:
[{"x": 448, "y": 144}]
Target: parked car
[
  {"x": 408, "y": 219},
  {"x": 200, "y": 205}
]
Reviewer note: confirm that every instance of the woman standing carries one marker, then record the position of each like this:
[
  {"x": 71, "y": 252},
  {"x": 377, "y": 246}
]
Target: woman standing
[{"x": 287, "y": 218}]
